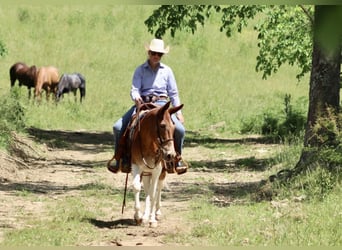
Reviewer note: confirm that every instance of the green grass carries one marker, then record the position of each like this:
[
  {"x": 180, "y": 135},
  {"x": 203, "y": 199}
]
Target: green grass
[
  {"x": 277, "y": 223},
  {"x": 66, "y": 221},
  {"x": 215, "y": 75}
]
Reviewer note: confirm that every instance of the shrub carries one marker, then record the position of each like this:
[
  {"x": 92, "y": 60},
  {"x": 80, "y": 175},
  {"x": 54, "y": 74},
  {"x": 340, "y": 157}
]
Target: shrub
[
  {"x": 287, "y": 123},
  {"x": 291, "y": 123},
  {"x": 23, "y": 15},
  {"x": 12, "y": 116}
]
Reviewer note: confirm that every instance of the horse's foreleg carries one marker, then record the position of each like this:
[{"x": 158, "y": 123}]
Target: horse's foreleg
[
  {"x": 38, "y": 93},
  {"x": 75, "y": 95},
  {"x": 153, "y": 195},
  {"x": 158, "y": 199},
  {"x": 136, "y": 190},
  {"x": 146, "y": 179},
  {"x": 47, "y": 94},
  {"x": 29, "y": 93}
]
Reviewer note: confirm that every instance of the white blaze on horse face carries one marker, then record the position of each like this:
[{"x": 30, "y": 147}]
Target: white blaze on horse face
[
  {"x": 169, "y": 151},
  {"x": 167, "y": 142}
]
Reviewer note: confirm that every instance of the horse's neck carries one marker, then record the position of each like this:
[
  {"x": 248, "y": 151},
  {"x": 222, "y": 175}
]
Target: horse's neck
[{"x": 134, "y": 125}]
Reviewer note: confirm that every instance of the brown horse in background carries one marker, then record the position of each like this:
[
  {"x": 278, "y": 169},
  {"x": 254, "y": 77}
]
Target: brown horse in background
[
  {"x": 24, "y": 74},
  {"x": 47, "y": 79},
  {"x": 151, "y": 145}
]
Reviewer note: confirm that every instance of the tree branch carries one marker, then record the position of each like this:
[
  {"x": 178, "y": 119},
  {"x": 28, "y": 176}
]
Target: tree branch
[{"x": 307, "y": 14}]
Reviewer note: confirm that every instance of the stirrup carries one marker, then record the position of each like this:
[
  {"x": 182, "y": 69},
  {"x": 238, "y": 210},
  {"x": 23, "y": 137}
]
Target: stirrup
[
  {"x": 182, "y": 167},
  {"x": 169, "y": 166},
  {"x": 113, "y": 168}
]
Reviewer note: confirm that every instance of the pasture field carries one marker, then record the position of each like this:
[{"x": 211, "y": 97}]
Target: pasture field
[
  {"x": 65, "y": 196},
  {"x": 215, "y": 75}
]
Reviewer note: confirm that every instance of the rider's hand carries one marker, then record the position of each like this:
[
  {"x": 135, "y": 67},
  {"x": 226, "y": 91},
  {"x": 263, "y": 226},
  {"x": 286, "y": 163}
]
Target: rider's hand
[{"x": 138, "y": 101}]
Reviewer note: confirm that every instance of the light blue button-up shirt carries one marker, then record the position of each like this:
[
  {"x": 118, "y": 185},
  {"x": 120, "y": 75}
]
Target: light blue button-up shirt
[{"x": 161, "y": 82}]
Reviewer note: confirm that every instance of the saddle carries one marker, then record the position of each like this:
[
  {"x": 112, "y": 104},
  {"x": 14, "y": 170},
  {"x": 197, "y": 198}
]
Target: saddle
[{"x": 124, "y": 147}]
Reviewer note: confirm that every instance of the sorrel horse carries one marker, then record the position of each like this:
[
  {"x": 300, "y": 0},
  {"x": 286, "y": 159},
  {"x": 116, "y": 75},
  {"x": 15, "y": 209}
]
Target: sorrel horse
[
  {"x": 151, "y": 144},
  {"x": 24, "y": 74},
  {"x": 71, "y": 82},
  {"x": 47, "y": 79}
]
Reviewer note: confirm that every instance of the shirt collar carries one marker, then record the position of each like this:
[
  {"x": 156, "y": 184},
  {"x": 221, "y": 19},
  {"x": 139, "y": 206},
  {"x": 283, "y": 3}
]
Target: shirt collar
[{"x": 146, "y": 65}]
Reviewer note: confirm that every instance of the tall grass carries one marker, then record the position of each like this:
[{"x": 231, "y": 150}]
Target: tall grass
[
  {"x": 12, "y": 116},
  {"x": 215, "y": 75}
]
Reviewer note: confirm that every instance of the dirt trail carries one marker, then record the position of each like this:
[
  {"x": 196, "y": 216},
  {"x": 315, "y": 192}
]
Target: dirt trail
[{"x": 55, "y": 164}]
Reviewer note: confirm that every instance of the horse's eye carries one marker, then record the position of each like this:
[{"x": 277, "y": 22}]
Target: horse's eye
[{"x": 162, "y": 126}]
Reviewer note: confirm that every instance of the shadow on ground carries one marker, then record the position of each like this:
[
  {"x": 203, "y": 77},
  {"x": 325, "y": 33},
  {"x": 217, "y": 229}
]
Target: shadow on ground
[
  {"x": 112, "y": 224},
  {"x": 181, "y": 190},
  {"x": 64, "y": 138}
]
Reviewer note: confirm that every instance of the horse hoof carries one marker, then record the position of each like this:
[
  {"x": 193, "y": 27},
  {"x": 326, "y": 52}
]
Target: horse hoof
[
  {"x": 159, "y": 217},
  {"x": 138, "y": 221},
  {"x": 153, "y": 224},
  {"x": 145, "y": 221}
]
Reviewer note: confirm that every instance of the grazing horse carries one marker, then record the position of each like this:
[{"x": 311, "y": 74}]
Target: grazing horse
[
  {"x": 47, "y": 79},
  {"x": 151, "y": 145},
  {"x": 24, "y": 74},
  {"x": 71, "y": 82}
]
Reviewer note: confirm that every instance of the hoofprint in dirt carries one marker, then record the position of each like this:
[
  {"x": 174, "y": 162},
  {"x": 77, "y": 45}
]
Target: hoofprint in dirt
[{"x": 54, "y": 173}]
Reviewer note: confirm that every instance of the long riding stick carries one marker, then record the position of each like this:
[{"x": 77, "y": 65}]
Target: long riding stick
[{"x": 124, "y": 200}]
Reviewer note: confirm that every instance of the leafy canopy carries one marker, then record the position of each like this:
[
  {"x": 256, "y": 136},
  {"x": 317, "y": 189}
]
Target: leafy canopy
[{"x": 284, "y": 32}]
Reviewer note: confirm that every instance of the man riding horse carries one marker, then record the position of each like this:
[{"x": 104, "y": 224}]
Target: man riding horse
[{"x": 153, "y": 82}]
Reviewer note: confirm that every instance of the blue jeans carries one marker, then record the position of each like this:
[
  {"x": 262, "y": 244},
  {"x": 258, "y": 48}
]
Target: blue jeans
[{"x": 120, "y": 126}]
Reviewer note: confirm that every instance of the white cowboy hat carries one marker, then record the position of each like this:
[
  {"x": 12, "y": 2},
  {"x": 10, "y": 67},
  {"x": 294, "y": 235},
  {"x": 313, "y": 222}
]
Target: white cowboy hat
[{"x": 157, "y": 45}]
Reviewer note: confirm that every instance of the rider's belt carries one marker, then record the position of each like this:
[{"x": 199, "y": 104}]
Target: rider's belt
[{"x": 153, "y": 98}]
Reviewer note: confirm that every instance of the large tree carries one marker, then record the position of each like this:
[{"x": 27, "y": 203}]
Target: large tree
[{"x": 307, "y": 36}]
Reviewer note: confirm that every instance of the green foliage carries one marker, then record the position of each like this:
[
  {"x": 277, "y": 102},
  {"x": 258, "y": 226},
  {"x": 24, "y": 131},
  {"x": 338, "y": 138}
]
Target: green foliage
[
  {"x": 288, "y": 123},
  {"x": 328, "y": 132},
  {"x": 12, "y": 116},
  {"x": 176, "y": 17},
  {"x": 237, "y": 15},
  {"x": 284, "y": 36},
  {"x": 284, "y": 32},
  {"x": 316, "y": 183}
]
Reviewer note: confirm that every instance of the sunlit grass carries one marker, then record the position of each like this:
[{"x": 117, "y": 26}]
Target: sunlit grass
[
  {"x": 277, "y": 223},
  {"x": 215, "y": 75}
]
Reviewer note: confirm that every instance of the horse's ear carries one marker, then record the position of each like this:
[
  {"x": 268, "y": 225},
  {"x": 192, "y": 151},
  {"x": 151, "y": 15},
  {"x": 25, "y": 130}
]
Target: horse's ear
[
  {"x": 175, "y": 109},
  {"x": 163, "y": 108},
  {"x": 166, "y": 106}
]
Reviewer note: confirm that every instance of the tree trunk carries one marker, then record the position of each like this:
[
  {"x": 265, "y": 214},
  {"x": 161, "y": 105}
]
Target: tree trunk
[{"x": 324, "y": 94}]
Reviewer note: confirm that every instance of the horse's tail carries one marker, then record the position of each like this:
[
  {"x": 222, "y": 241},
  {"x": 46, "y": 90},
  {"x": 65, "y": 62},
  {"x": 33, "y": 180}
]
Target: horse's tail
[
  {"x": 60, "y": 87},
  {"x": 83, "y": 81}
]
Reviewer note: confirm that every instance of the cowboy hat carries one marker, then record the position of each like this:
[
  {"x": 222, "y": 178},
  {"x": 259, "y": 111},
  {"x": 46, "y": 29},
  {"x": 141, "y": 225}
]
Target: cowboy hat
[{"x": 157, "y": 45}]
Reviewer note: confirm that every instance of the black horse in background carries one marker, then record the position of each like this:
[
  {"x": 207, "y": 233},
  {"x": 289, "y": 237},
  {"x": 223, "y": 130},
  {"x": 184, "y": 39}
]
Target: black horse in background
[
  {"x": 24, "y": 74},
  {"x": 71, "y": 82}
]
